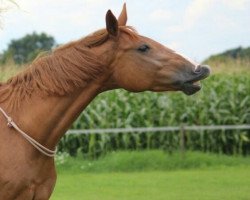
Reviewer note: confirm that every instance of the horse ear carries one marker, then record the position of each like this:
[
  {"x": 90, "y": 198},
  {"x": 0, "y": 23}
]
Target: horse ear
[
  {"x": 122, "y": 20},
  {"x": 111, "y": 24}
]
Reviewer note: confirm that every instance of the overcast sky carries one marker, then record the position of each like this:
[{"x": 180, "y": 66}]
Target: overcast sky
[{"x": 196, "y": 28}]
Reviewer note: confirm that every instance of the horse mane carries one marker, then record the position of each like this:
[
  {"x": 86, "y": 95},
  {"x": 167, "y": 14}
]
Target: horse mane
[{"x": 61, "y": 71}]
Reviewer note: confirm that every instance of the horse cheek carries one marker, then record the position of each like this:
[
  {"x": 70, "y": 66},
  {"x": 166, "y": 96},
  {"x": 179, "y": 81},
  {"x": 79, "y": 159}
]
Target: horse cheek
[{"x": 134, "y": 83}]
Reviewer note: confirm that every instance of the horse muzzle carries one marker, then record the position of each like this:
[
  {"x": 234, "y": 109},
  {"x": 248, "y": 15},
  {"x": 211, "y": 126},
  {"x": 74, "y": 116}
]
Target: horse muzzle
[{"x": 192, "y": 84}]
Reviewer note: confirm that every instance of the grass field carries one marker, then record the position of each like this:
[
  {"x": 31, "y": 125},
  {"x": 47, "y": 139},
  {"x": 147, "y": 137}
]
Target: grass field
[
  {"x": 197, "y": 176},
  {"x": 229, "y": 183}
]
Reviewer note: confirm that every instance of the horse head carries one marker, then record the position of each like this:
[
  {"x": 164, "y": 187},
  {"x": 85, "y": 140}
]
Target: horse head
[{"x": 139, "y": 63}]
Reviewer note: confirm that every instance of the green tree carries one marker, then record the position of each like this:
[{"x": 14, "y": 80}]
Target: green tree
[
  {"x": 236, "y": 53},
  {"x": 26, "y": 49}
]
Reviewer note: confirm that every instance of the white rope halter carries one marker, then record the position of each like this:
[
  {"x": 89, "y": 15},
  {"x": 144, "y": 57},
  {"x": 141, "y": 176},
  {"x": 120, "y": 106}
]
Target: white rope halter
[{"x": 37, "y": 145}]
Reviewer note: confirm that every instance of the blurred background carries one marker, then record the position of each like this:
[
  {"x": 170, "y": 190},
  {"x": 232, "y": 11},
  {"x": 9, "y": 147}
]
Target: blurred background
[{"x": 214, "y": 160}]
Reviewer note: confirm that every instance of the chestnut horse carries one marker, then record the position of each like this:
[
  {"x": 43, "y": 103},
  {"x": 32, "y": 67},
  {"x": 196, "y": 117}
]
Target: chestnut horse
[{"x": 47, "y": 97}]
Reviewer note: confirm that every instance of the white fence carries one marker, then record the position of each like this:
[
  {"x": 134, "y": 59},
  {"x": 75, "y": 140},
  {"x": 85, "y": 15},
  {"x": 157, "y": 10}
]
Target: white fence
[
  {"x": 182, "y": 129},
  {"x": 160, "y": 129}
]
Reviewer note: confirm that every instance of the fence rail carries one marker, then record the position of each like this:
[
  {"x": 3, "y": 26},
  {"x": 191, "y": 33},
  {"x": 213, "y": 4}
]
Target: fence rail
[
  {"x": 160, "y": 129},
  {"x": 181, "y": 130}
]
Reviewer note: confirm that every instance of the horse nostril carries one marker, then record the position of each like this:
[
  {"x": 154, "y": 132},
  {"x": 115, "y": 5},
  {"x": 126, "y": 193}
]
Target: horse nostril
[
  {"x": 197, "y": 70},
  {"x": 202, "y": 69}
]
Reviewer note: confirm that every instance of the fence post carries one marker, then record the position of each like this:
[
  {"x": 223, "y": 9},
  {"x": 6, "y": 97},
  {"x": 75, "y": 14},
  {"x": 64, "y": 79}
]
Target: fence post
[{"x": 182, "y": 140}]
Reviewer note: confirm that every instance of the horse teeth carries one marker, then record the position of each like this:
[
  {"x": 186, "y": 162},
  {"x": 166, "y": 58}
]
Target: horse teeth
[{"x": 196, "y": 83}]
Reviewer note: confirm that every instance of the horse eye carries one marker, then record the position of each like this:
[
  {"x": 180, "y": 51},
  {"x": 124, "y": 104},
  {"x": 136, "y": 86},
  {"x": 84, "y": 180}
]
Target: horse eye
[{"x": 143, "y": 48}]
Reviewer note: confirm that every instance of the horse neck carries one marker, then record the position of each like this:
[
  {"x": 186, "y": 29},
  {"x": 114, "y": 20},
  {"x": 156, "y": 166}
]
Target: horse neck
[{"x": 47, "y": 118}]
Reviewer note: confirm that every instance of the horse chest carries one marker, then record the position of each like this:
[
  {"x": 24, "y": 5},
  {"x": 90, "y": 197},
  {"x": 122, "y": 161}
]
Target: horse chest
[
  {"x": 26, "y": 182},
  {"x": 23, "y": 178}
]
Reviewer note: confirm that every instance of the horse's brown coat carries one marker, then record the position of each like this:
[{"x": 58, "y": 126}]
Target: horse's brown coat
[{"x": 48, "y": 96}]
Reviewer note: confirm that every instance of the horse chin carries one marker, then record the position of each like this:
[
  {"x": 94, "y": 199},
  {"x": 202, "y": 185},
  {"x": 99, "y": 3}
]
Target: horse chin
[{"x": 191, "y": 88}]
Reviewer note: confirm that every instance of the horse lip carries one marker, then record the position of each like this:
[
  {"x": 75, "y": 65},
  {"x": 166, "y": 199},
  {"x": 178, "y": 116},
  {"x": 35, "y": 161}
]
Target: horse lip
[{"x": 190, "y": 86}]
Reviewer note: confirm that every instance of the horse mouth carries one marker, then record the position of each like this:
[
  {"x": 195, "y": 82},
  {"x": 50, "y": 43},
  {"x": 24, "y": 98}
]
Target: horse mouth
[
  {"x": 193, "y": 85},
  {"x": 190, "y": 88}
]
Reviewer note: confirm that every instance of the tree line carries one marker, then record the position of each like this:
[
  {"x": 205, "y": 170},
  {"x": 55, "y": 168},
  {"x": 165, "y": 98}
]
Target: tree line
[
  {"x": 27, "y": 48},
  {"x": 239, "y": 53}
]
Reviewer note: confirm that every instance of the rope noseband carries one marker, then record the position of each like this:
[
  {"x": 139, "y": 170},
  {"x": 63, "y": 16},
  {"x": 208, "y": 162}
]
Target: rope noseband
[{"x": 37, "y": 145}]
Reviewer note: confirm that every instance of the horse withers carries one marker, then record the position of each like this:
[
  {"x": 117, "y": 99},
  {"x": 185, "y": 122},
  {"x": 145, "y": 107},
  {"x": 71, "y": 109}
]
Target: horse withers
[{"x": 47, "y": 97}]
